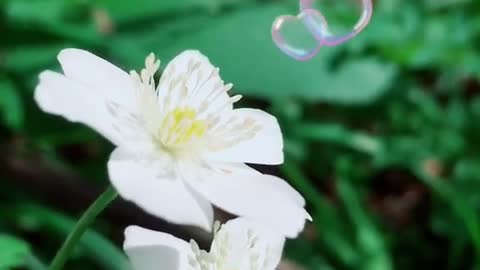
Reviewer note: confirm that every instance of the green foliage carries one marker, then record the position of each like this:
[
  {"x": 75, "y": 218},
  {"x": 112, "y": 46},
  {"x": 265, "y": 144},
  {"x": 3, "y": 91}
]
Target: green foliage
[
  {"x": 13, "y": 252},
  {"x": 381, "y": 133},
  {"x": 11, "y": 106},
  {"x": 312, "y": 81}
]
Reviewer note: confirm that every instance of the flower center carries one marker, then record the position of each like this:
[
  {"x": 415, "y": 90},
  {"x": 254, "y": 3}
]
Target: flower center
[
  {"x": 184, "y": 109},
  {"x": 181, "y": 127},
  {"x": 230, "y": 253}
]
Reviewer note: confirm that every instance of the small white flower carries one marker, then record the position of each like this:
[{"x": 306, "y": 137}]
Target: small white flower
[
  {"x": 180, "y": 144},
  {"x": 237, "y": 245}
]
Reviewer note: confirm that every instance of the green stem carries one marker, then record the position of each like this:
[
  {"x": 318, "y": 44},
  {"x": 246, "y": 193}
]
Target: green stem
[{"x": 87, "y": 218}]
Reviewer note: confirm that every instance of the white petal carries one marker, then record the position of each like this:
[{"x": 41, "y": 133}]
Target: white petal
[
  {"x": 151, "y": 250},
  {"x": 266, "y": 199},
  {"x": 266, "y": 147},
  {"x": 282, "y": 185},
  {"x": 98, "y": 75},
  {"x": 199, "y": 85},
  {"x": 269, "y": 246},
  {"x": 161, "y": 196},
  {"x": 59, "y": 95}
]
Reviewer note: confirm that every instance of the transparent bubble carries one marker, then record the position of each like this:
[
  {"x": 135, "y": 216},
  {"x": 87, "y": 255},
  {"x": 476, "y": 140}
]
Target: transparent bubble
[
  {"x": 294, "y": 34},
  {"x": 346, "y": 18}
]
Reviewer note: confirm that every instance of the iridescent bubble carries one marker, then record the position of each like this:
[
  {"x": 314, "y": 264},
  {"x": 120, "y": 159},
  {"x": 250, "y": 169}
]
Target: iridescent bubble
[
  {"x": 314, "y": 30},
  {"x": 293, "y": 34}
]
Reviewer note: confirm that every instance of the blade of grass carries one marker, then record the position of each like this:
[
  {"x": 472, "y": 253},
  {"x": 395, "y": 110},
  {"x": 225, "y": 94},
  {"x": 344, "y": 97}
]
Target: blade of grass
[
  {"x": 374, "y": 147},
  {"x": 324, "y": 216},
  {"x": 369, "y": 238},
  {"x": 337, "y": 134}
]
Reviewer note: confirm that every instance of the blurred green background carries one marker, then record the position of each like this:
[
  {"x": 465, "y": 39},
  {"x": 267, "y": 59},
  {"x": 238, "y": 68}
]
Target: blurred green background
[{"x": 381, "y": 133}]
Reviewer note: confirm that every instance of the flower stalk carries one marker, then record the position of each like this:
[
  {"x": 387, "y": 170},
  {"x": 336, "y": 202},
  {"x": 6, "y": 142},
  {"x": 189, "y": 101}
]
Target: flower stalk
[{"x": 82, "y": 225}]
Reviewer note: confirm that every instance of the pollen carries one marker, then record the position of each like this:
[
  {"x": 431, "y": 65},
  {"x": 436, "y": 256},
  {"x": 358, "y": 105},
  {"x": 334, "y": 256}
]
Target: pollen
[{"x": 181, "y": 127}]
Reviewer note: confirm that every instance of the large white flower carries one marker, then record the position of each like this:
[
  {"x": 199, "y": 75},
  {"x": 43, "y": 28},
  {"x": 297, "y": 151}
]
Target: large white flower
[
  {"x": 180, "y": 144},
  {"x": 237, "y": 245}
]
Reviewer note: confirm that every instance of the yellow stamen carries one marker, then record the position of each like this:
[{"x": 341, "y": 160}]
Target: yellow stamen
[{"x": 181, "y": 126}]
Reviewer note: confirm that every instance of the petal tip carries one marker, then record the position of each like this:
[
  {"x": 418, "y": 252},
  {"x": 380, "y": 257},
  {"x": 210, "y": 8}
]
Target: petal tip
[
  {"x": 193, "y": 52},
  {"x": 70, "y": 54},
  {"x": 42, "y": 94},
  {"x": 308, "y": 216},
  {"x": 132, "y": 229},
  {"x": 65, "y": 52},
  {"x": 130, "y": 233}
]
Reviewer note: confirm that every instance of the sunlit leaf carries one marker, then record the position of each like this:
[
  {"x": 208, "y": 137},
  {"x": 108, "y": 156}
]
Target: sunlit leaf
[
  {"x": 13, "y": 252},
  {"x": 250, "y": 60}
]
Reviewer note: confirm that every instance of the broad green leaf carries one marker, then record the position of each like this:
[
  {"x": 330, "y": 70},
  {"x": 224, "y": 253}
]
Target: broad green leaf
[
  {"x": 41, "y": 10},
  {"x": 32, "y": 262},
  {"x": 357, "y": 81},
  {"x": 131, "y": 11},
  {"x": 131, "y": 48},
  {"x": 433, "y": 4},
  {"x": 31, "y": 58},
  {"x": 71, "y": 20},
  {"x": 248, "y": 58},
  {"x": 13, "y": 252}
]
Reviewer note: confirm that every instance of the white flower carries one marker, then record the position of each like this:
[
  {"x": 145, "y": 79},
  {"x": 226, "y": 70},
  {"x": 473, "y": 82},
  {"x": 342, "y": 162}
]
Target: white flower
[
  {"x": 237, "y": 245},
  {"x": 180, "y": 144}
]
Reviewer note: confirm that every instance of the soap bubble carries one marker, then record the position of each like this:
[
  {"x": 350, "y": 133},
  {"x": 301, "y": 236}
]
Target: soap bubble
[{"x": 302, "y": 36}]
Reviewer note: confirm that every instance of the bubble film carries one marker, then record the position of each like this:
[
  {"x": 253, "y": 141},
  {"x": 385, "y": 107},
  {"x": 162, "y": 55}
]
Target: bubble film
[{"x": 302, "y": 36}]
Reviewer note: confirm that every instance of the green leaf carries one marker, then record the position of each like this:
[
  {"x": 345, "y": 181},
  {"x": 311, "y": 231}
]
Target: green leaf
[
  {"x": 131, "y": 48},
  {"x": 72, "y": 20},
  {"x": 132, "y": 11},
  {"x": 28, "y": 58},
  {"x": 370, "y": 240},
  {"x": 11, "y": 106},
  {"x": 357, "y": 81},
  {"x": 40, "y": 10},
  {"x": 337, "y": 134},
  {"x": 32, "y": 262},
  {"x": 13, "y": 252}
]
